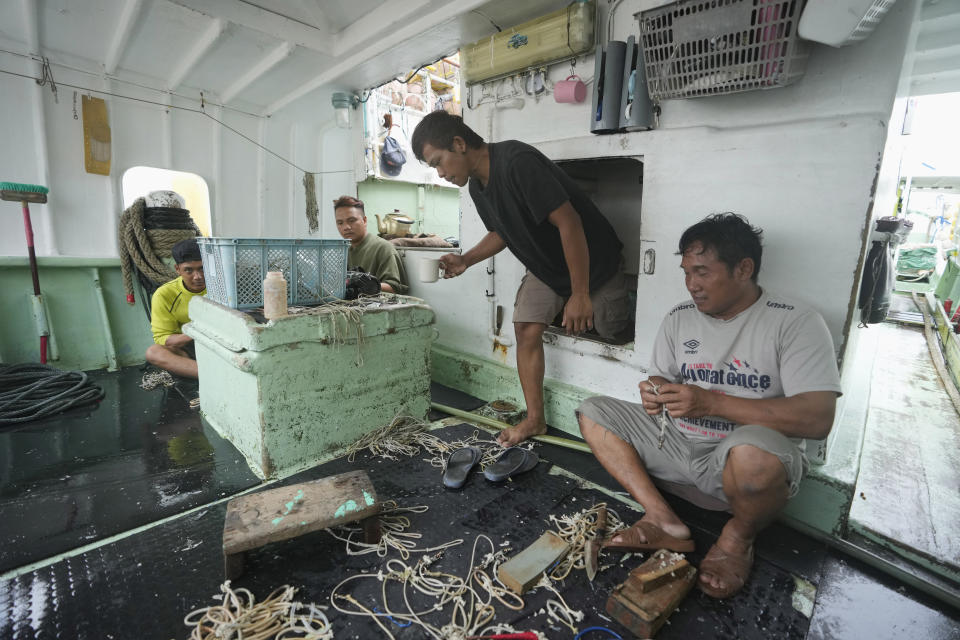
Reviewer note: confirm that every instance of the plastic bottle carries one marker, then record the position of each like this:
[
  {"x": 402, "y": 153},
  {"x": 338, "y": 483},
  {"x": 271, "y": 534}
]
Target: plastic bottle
[{"x": 274, "y": 295}]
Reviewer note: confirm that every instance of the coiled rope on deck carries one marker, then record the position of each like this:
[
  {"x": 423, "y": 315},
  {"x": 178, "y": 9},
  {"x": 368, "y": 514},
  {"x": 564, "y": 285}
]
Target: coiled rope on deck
[{"x": 32, "y": 391}]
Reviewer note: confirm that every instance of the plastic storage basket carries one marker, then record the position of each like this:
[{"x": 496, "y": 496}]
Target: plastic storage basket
[
  {"x": 315, "y": 270},
  {"x": 710, "y": 47}
]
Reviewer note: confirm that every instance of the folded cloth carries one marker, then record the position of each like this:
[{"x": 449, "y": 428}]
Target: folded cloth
[{"x": 420, "y": 241}]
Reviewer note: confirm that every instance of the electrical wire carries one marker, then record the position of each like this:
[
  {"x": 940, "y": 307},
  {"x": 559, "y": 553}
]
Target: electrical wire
[
  {"x": 32, "y": 391},
  {"x": 200, "y": 111}
]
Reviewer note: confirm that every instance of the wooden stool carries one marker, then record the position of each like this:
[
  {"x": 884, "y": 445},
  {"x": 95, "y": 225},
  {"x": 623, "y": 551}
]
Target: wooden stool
[{"x": 279, "y": 514}]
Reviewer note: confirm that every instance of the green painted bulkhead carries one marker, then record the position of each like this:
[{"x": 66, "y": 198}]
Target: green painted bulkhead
[
  {"x": 90, "y": 322},
  {"x": 298, "y": 390}
]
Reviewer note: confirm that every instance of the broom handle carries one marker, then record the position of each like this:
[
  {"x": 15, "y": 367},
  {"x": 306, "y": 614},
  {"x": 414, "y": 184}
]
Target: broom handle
[{"x": 28, "y": 229}]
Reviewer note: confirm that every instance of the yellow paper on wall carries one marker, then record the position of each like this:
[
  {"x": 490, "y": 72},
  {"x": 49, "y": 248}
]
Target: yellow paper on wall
[{"x": 96, "y": 136}]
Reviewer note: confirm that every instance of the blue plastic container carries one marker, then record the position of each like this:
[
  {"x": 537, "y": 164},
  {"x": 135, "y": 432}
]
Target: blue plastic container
[{"x": 234, "y": 268}]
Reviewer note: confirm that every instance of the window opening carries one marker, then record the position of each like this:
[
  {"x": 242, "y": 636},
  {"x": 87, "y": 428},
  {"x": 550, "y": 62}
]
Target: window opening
[
  {"x": 137, "y": 182},
  {"x": 413, "y": 189}
]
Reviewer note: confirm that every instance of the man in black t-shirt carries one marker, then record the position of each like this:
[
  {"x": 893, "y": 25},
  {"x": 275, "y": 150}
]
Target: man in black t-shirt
[{"x": 527, "y": 203}]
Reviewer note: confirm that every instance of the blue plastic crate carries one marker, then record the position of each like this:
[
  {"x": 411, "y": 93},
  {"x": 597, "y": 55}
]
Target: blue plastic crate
[{"x": 234, "y": 268}]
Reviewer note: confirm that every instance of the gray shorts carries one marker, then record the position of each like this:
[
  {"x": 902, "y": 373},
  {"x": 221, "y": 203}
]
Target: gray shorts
[
  {"x": 537, "y": 302},
  {"x": 685, "y": 461}
]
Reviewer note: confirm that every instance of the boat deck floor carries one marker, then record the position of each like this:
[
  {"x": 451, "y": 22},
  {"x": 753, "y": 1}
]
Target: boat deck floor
[
  {"x": 908, "y": 488},
  {"x": 112, "y": 522}
]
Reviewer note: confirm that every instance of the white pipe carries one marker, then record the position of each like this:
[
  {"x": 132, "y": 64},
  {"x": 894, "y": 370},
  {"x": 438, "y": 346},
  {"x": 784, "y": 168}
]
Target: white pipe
[
  {"x": 29, "y": 11},
  {"x": 105, "y": 322}
]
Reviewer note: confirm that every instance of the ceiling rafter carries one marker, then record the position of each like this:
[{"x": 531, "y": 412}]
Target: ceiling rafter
[
  {"x": 129, "y": 15},
  {"x": 438, "y": 16},
  {"x": 268, "y": 62},
  {"x": 273, "y": 24},
  {"x": 376, "y": 23},
  {"x": 206, "y": 41}
]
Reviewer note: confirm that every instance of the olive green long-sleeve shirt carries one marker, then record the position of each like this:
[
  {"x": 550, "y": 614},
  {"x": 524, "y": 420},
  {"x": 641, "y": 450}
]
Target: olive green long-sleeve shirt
[{"x": 377, "y": 256}]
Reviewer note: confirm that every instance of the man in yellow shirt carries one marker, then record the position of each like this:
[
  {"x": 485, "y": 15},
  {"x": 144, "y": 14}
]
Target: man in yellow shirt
[{"x": 173, "y": 350}]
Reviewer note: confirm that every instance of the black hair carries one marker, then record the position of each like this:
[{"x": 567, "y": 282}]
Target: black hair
[
  {"x": 349, "y": 201},
  {"x": 438, "y": 129},
  {"x": 186, "y": 251},
  {"x": 730, "y": 235}
]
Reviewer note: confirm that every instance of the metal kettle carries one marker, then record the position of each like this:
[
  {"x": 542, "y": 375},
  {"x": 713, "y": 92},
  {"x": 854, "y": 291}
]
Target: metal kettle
[{"x": 394, "y": 224}]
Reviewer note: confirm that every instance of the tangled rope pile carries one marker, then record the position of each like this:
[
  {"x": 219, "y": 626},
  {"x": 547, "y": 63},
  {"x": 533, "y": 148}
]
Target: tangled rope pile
[
  {"x": 32, "y": 391},
  {"x": 470, "y": 599},
  {"x": 393, "y": 527},
  {"x": 153, "y": 379},
  {"x": 407, "y": 436},
  {"x": 576, "y": 529},
  {"x": 240, "y": 616}
]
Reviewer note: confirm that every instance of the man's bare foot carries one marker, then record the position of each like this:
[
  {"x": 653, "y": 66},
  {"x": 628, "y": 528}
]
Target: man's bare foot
[
  {"x": 526, "y": 428},
  {"x": 726, "y": 567}
]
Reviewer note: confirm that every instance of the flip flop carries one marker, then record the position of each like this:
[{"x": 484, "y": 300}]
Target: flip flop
[
  {"x": 656, "y": 538},
  {"x": 513, "y": 461},
  {"x": 458, "y": 466},
  {"x": 733, "y": 571}
]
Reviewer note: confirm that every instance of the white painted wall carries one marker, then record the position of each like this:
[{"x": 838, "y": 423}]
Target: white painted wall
[
  {"x": 799, "y": 161},
  {"x": 253, "y": 193}
]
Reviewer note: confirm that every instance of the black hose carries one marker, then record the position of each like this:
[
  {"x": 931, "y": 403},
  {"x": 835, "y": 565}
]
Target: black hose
[{"x": 32, "y": 391}]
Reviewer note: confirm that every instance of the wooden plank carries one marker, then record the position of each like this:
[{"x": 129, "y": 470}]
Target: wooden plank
[
  {"x": 287, "y": 512},
  {"x": 644, "y": 613},
  {"x": 662, "y": 567},
  {"x": 523, "y": 570}
]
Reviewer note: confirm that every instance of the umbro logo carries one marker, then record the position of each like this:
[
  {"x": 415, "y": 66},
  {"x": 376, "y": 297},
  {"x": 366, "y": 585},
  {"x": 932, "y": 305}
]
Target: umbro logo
[{"x": 692, "y": 345}]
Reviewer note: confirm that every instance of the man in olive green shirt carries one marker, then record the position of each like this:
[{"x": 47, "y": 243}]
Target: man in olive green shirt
[
  {"x": 172, "y": 349},
  {"x": 369, "y": 252}
]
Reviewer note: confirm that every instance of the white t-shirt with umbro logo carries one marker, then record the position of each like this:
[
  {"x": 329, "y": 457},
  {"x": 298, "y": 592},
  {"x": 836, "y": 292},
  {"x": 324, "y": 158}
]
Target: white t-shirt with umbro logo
[{"x": 775, "y": 348}]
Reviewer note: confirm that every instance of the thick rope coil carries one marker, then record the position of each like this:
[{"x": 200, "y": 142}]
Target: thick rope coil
[{"x": 136, "y": 252}]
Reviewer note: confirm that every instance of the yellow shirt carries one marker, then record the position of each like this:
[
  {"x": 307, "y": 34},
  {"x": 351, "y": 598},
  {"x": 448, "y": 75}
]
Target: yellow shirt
[{"x": 168, "y": 309}]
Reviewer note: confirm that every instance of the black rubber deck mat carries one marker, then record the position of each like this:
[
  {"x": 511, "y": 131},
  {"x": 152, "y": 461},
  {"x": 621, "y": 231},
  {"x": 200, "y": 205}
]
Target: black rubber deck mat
[
  {"x": 138, "y": 457},
  {"x": 143, "y": 585}
]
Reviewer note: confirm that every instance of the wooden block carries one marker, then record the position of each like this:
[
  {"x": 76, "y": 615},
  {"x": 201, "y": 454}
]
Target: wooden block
[
  {"x": 659, "y": 569},
  {"x": 644, "y": 613},
  {"x": 279, "y": 514},
  {"x": 523, "y": 570}
]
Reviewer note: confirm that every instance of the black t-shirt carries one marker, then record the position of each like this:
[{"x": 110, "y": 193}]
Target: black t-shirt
[{"x": 525, "y": 187}]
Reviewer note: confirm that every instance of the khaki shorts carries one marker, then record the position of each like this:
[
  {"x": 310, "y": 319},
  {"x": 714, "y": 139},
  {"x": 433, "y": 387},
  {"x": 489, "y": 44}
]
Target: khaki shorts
[
  {"x": 685, "y": 461},
  {"x": 536, "y": 302}
]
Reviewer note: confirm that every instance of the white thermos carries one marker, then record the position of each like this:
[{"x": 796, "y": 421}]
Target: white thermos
[{"x": 274, "y": 295}]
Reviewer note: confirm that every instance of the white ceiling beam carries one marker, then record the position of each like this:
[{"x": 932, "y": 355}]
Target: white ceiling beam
[
  {"x": 30, "y": 23},
  {"x": 376, "y": 23},
  {"x": 209, "y": 38},
  {"x": 274, "y": 24},
  {"x": 129, "y": 15},
  {"x": 268, "y": 62},
  {"x": 448, "y": 11}
]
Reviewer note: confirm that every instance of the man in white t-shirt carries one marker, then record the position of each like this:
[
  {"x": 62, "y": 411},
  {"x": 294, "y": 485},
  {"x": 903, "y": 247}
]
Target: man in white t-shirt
[{"x": 739, "y": 377}]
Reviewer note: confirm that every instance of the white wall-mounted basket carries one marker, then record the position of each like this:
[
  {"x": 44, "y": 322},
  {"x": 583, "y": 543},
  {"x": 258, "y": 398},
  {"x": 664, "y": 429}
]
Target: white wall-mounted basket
[
  {"x": 841, "y": 22},
  {"x": 695, "y": 48}
]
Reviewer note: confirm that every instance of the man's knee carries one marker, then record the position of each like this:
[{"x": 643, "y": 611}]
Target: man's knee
[
  {"x": 154, "y": 354},
  {"x": 754, "y": 470},
  {"x": 588, "y": 426},
  {"x": 528, "y": 333}
]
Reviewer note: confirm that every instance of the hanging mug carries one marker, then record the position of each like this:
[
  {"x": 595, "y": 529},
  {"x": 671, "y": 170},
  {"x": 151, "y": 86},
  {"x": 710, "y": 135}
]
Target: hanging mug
[{"x": 570, "y": 90}]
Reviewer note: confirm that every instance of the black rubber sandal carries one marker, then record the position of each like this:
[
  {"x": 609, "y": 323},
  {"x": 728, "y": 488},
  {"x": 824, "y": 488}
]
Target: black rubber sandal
[
  {"x": 459, "y": 465},
  {"x": 511, "y": 462}
]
